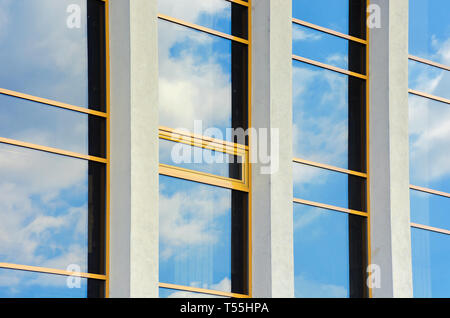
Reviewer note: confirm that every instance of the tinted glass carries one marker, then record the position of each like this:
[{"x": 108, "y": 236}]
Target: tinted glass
[
  {"x": 429, "y": 139},
  {"x": 329, "y": 49},
  {"x": 45, "y": 125},
  {"x": 429, "y": 79},
  {"x": 219, "y": 15},
  {"x": 22, "y": 284},
  {"x": 345, "y": 16},
  {"x": 48, "y": 52},
  {"x": 429, "y": 30},
  {"x": 199, "y": 247},
  {"x": 201, "y": 77},
  {"x": 200, "y": 159},
  {"x": 431, "y": 210},
  {"x": 52, "y": 210},
  {"x": 329, "y": 187},
  {"x": 328, "y": 249},
  {"x": 173, "y": 293},
  {"x": 431, "y": 261},
  {"x": 328, "y": 117}
]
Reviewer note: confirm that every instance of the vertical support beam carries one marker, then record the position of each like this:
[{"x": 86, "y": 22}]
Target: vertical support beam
[
  {"x": 389, "y": 153},
  {"x": 134, "y": 148},
  {"x": 272, "y": 207}
]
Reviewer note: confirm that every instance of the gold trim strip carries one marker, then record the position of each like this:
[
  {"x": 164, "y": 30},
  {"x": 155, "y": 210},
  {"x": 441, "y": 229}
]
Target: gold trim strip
[
  {"x": 330, "y": 207},
  {"x": 329, "y": 167},
  {"x": 428, "y": 62},
  {"x": 430, "y": 228},
  {"x": 202, "y": 290},
  {"x": 328, "y": 31},
  {"x": 242, "y": 3},
  {"x": 430, "y": 191},
  {"x": 328, "y": 67},
  {"x": 429, "y": 96},
  {"x": 45, "y": 270}
]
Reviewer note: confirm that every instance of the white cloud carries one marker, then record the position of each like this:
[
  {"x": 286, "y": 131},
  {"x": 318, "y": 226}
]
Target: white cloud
[
  {"x": 300, "y": 34},
  {"x": 307, "y": 288}
]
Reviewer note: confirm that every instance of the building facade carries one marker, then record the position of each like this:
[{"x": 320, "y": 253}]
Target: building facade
[{"x": 224, "y": 148}]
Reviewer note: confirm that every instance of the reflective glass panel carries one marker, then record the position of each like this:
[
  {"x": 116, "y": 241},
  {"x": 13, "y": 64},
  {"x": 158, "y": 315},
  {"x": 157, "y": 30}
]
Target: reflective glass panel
[
  {"x": 431, "y": 263},
  {"x": 50, "y": 126},
  {"x": 200, "y": 159},
  {"x": 328, "y": 49},
  {"x": 328, "y": 124},
  {"x": 329, "y": 187},
  {"x": 429, "y": 30},
  {"x": 201, "y": 235},
  {"x": 430, "y": 209},
  {"x": 22, "y": 284},
  {"x": 174, "y": 293},
  {"x": 333, "y": 14},
  {"x": 328, "y": 253},
  {"x": 429, "y": 79},
  {"x": 202, "y": 80},
  {"x": 52, "y": 49},
  {"x": 429, "y": 143},
  {"x": 219, "y": 15},
  {"x": 52, "y": 210}
]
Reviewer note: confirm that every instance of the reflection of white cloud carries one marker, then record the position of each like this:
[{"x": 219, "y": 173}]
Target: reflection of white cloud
[
  {"x": 193, "y": 9},
  {"x": 223, "y": 285},
  {"x": 306, "y": 288},
  {"x": 299, "y": 34}
]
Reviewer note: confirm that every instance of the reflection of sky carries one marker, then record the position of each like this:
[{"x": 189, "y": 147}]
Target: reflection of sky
[
  {"x": 429, "y": 79},
  {"x": 321, "y": 253},
  {"x": 431, "y": 263},
  {"x": 430, "y": 209},
  {"x": 172, "y": 293},
  {"x": 39, "y": 54},
  {"x": 195, "y": 234}
]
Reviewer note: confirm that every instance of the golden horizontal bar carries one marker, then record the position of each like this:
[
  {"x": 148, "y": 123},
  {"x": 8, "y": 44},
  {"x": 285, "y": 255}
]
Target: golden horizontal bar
[
  {"x": 203, "y": 177},
  {"x": 431, "y": 191},
  {"x": 242, "y": 3},
  {"x": 329, "y": 31},
  {"x": 429, "y": 96},
  {"x": 329, "y": 167},
  {"x": 53, "y": 103},
  {"x": 330, "y": 207},
  {"x": 51, "y": 150},
  {"x": 202, "y": 290},
  {"x": 203, "y": 29},
  {"x": 328, "y": 67},
  {"x": 428, "y": 62},
  {"x": 430, "y": 228},
  {"x": 45, "y": 270}
]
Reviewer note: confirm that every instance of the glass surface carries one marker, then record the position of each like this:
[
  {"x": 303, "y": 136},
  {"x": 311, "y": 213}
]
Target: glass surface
[
  {"x": 328, "y": 253},
  {"x": 45, "y": 52},
  {"x": 219, "y": 15},
  {"x": 200, "y": 159},
  {"x": 328, "y": 49},
  {"x": 333, "y": 14},
  {"x": 429, "y": 30},
  {"x": 202, "y": 242},
  {"x": 429, "y": 79},
  {"x": 329, "y": 187},
  {"x": 50, "y": 126},
  {"x": 174, "y": 293},
  {"x": 52, "y": 210},
  {"x": 431, "y": 263},
  {"x": 202, "y": 81},
  {"x": 328, "y": 125},
  {"x": 22, "y": 284},
  {"x": 429, "y": 143},
  {"x": 430, "y": 209}
]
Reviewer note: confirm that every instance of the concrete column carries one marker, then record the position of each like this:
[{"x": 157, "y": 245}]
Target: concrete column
[
  {"x": 134, "y": 148},
  {"x": 272, "y": 207},
  {"x": 389, "y": 162}
]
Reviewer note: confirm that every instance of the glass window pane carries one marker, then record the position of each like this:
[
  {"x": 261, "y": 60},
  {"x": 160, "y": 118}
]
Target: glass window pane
[
  {"x": 429, "y": 140},
  {"x": 47, "y": 53},
  {"x": 429, "y": 30},
  {"x": 219, "y": 15},
  {"x": 52, "y": 210},
  {"x": 202, "y": 241},
  {"x": 23, "y": 284},
  {"x": 50, "y": 126},
  {"x": 333, "y": 14},
  {"x": 202, "y": 81},
  {"x": 328, "y": 253},
  {"x": 329, "y": 187},
  {"x": 429, "y": 79},
  {"x": 430, "y": 209},
  {"x": 174, "y": 293},
  {"x": 328, "y": 124},
  {"x": 431, "y": 261},
  {"x": 200, "y": 159},
  {"x": 329, "y": 49}
]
